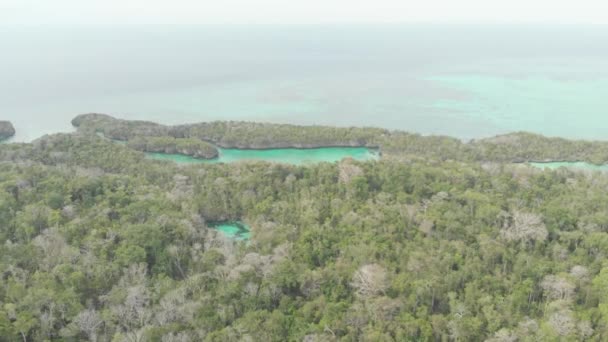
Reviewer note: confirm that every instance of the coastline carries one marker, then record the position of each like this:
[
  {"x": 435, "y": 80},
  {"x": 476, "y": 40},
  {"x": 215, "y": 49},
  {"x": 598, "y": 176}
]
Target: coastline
[
  {"x": 513, "y": 147},
  {"x": 517, "y": 147}
]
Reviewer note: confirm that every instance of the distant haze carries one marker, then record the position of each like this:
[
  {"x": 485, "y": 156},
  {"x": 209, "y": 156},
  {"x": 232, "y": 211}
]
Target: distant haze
[
  {"x": 465, "y": 81},
  {"x": 245, "y": 12}
]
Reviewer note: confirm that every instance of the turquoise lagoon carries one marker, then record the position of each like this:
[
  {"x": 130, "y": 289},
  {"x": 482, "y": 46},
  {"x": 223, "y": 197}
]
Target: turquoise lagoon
[
  {"x": 564, "y": 106},
  {"x": 233, "y": 230},
  {"x": 283, "y": 155}
]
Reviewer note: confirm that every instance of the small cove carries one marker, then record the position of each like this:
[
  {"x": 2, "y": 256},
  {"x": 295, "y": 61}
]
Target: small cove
[
  {"x": 282, "y": 155},
  {"x": 233, "y": 230}
]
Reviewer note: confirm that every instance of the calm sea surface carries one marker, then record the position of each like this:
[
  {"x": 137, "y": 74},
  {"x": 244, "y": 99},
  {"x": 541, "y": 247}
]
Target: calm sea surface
[{"x": 467, "y": 82}]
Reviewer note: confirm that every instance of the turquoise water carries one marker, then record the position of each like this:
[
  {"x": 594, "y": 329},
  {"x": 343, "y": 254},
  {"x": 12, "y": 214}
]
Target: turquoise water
[
  {"x": 567, "y": 107},
  {"x": 574, "y": 165},
  {"x": 233, "y": 230},
  {"x": 462, "y": 81},
  {"x": 287, "y": 155}
]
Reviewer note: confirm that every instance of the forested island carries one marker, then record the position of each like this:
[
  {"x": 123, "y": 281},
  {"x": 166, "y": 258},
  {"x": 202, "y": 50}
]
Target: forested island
[
  {"x": 6, "y": 130},
  {"x": 438, "y": 240},
  {"x": 516, "y": 147}
]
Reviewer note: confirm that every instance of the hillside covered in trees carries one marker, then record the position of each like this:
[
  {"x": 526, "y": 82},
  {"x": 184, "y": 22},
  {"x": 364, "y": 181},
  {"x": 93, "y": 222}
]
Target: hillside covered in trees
[{"x": 437, "y": 241}]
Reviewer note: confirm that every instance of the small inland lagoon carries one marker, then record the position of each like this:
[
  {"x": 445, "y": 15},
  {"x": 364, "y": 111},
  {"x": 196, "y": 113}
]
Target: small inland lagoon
[
  {"x": 570, "y": 165},
  {"x": 234, "y": 230},
  {"x": 294, "y": 156}
]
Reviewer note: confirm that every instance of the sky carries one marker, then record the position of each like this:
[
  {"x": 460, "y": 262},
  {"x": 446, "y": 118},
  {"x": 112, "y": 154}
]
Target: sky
[{"x": 281, "y": 12}]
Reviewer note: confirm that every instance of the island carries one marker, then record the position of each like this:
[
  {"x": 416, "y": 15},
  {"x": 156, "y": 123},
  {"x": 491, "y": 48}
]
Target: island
[
  {"x": 7, "y": 130},
  {"x": 517, "y": 147},
  {"x": 234, "y": 134}
]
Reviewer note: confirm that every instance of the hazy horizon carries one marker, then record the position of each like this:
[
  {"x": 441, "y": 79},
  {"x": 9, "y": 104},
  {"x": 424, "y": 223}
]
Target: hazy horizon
[
  {"x": 308, "y": 12},
  {"x": 462, "y": 80}
]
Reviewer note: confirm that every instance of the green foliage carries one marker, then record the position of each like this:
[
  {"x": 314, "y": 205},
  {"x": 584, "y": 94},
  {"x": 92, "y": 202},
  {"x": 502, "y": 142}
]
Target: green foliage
[
  {"x": 102, "y": 244},
  {"x": 190, "y": 147}
]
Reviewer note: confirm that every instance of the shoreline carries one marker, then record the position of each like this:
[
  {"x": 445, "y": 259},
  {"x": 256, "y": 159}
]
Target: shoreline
[
  {"x": 375, "y": 151},
  {"x": 517, "y": 147},
  {"x": 22, "y": 135},
  {"x": 513, "y": 147}
]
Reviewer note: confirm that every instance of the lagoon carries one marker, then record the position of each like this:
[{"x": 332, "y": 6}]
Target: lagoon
[
  {"x": 234, "y": 230},
  {"x": 284, "y": 155}
]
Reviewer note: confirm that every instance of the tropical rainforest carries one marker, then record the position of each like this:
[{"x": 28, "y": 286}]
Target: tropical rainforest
[{"x": 439, "y": 240}]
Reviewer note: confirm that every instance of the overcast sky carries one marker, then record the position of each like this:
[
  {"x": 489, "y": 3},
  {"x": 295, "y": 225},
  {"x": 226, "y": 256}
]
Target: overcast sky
[{"x": 301, "y": 11}]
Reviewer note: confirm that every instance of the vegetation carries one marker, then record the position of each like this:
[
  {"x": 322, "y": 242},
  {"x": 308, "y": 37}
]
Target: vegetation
[
  {"x": 187, "y": 146},
  {"x": 6, "y": 130},
  {"x": 101, "y": 244},
  {"x": 509, "y": 148},
  {"x": 234, "y": 134},
  {"x": 528, "y": 147}
]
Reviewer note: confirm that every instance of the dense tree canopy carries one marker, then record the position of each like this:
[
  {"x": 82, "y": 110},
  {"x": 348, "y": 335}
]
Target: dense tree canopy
[{"x": 102, "y": 244}]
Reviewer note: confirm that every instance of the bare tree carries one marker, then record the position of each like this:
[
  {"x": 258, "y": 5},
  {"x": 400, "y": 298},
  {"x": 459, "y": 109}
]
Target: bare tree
[
  {"x": 384, "y": 309},
  {"x": 557, "y": 288},
  {"x": 348, "y": 171},
  {"x": 455, "y": 330},
  {"x": 426, "y": 226},
  {"x": 409, "y": 211},
  {"x": 318, "y": 338},
  {"x": 562, "y": 322},
  {"x": 503, "y": 335},
  {"x": 134, "y": 275},
  {"x": 559, "y": 252},
  {"x": 581, "y": 273},
  {"x": 527, "y": 327},
  {"x": 176, "y": 337},
  {"x": 134, "y": 314},
  {"x": 68, "y": 212},
  {"x": 178, "y": 253},
  {"x": 175, "y": 306},
  {"x": 524, "y": 227},
  {"x": 89, "y": 322},
  {"x": 131, "y": 308},
  {"x": 54, "y": 248},
  {"x": 46, "y": 321},
  {"x": 357, "y": 317},
  {"x": 370, "y": 280},
  {"x": 182, "y": 188},
  {"x": 585, "y": 329},
  {"x": 311, "y": 283}
]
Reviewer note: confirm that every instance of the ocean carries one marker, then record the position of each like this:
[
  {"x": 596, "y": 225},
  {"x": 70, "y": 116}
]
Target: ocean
[{"x": 463, "y": 81}]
